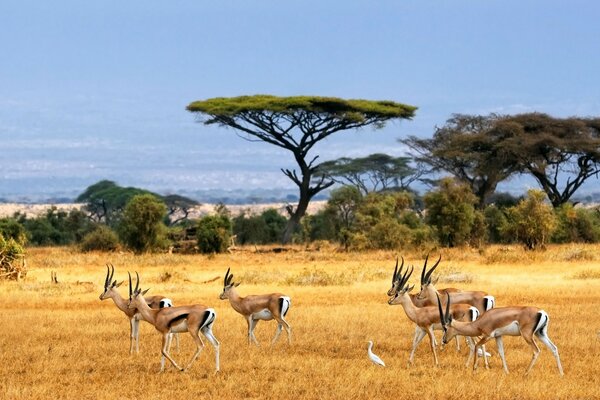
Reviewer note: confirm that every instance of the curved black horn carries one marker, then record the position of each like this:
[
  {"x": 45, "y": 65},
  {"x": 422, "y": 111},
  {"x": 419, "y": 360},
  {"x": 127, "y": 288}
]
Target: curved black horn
[
  {"x": 442, "y": 319},
  {"x": 395, "y": 272},
  {"x": 447, "y": 306},
  {"x": 424, "y": 268},
  {"x": 107, "y": 274},
  {"x": 428, "y": 275},
  {"x": 137, "y": 281},
  {"x": 130, "y": 291},
  {"x": 226, "y": 276}
]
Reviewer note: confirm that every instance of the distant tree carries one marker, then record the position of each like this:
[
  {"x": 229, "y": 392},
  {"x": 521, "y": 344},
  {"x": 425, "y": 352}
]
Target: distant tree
[
  {"x": 343, "y": 204},
  {"x": 561, "y": 154},
  {"x": 576, "y": 224},
  {"x": 372, "y": 173},
  {"x": 214, "y": 233},
  {"x": 56, "y": 227},
  {"x": 141, "y": 228},
  {"x": 11, "y": 228},
  {"x": 451, "y": 211},
  {"x": 297, "y": 124},
  {"x": 470, "y": 148},
  {"x": 105, "y": 200},
  {"x": 102, "y": 238},
  {"x": 259, "y": 229},
  {"x": 532, "y": 221},
  {"x": 178, "y": 207}
]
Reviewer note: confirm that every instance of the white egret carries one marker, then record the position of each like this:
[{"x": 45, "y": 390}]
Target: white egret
[{"x": 373, "y": 357}]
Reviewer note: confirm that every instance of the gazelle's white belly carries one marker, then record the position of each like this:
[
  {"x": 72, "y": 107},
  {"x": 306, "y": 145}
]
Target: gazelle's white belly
[
  {"x": 511, "y": 329},
  {"x": 178, "y": 327},
  {"x": 264, "y": 315}
]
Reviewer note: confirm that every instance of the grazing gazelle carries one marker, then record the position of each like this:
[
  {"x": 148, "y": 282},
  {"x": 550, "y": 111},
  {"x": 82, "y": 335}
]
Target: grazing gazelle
[
  {"x": 193, "y": 319},
  {"x": 426, "y": 319},
  {"x": 258, "y": 307},
  {"x": 495, "y": 323},
  {"x": 481, "y": 300},
  {"x": 111, "y": 292}
]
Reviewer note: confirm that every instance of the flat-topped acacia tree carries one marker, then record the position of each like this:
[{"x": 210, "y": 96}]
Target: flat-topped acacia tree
[{"x": 297, "y": 124}]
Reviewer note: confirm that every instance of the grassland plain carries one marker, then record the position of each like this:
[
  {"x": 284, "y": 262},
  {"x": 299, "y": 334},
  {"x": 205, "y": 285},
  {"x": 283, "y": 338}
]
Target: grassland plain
[{"x": 60, "y": 341}]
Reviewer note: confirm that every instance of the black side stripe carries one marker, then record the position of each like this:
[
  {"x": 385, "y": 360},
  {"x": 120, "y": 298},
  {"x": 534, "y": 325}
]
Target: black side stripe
[
  {"x": 537, "y": 321},
  {"x": 177, "y": 318}
]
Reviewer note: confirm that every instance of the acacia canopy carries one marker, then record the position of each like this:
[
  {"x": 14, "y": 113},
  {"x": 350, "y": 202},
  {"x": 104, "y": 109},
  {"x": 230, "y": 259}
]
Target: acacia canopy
[{"x": 296, "y": 124}]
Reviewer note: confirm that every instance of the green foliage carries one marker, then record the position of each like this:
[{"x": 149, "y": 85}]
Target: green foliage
[
  {"x": 105, "y": 200},
  {"x": 347, "y": 109},
  {"x": 56, "y": 227},
  {"x": 141, "y": 228},
  {"x": 10, "y": 253},
  {"x": 259, "y": 229},
  {"x": 451, "y": 212},
  {"x": 576, "y": 225},
  {"x": 532, "y": 221},
  {"x": 372, "y": 173},
  {"x": 214, "y": 233},
  {"x": 11, "y": 228},
  {"x": 496, "y": 222},
  {"x": 102, "y": 238}
]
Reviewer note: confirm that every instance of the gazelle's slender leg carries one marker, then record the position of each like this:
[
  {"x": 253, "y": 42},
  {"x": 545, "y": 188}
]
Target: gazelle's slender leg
[
  {"x": 253, "y": 323},
  {"x": 208, "y": 334},
  {"x": 543, "y": 336},
  {"x": 500, "y": 345},
  {"x": 287, "y": 327},
  {"x": 536, "y": 351},
  {"x": 132, "y": 338},
  {"x": 137, "y": 334},
  {"x": 457, "y": 343},
  {"x": 432, "y": 343},
  {"x": 419, "y": 335},
  {"x": 176, "y": 341},
  {"x": 277, "y": 332},
  {"x": 165, "y": 351},
  {"x": 199, "y": 347},
  {"x": 471, "y": 346},
  {"x": 479, "y": 345}
]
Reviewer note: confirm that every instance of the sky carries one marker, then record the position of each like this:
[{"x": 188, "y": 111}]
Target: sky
[{"x": 98, "y": 90}]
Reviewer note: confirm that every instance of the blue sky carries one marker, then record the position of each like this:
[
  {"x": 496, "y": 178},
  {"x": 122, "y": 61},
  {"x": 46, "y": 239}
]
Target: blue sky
[{"x": 95, "y": 90}]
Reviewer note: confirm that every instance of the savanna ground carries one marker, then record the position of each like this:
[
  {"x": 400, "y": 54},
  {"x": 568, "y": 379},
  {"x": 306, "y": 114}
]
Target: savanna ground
[{"x": 61, "y": 341}]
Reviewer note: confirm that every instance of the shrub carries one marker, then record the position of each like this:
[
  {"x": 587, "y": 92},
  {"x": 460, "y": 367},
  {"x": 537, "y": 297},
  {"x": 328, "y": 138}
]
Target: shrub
[
  {"x": 11, "y": 253},
  {"x": 141, "y": 228},
  {"x": 102, "y": 238},
  {"x": 10, "y": 228},
  {"x": 576, "y": 225},
  {"x": 532, "y": 221},
  {"x": 214, "y": 233}
]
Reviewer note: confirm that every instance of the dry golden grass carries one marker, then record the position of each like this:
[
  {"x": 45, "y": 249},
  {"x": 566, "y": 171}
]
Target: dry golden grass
[{"x": 61, "y": 341}]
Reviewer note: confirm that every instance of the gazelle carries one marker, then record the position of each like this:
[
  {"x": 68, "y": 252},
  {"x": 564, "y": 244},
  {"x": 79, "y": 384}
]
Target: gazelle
[
  {"x": 510, "y": 321},
  {"x": 427, "y": 318},
  {"x": 481, "y": 300},
  {"x": 193, "y": 319},
  {"x": 258, "y": 307},
  {"x": 111, "y": 292},
  {"x": 413, "y": 297}
]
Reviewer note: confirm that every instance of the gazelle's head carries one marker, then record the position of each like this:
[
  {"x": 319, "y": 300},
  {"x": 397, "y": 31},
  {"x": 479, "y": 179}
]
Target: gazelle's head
[
  {"x": 136, "y": 296},
  {"x": 446, "y": 320},
  {"x": 402, "y": 288},
  {"x": 426, "y": 282},
  {"x": 228, "y": 285},
  {"x": 395, "y": 278},
  {"x": 110, "y": 288}
]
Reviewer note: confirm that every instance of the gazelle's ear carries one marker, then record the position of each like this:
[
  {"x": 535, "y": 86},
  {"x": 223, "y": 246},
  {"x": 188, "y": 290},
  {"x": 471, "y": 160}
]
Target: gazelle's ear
[
  {"x": 145, "y": 291},
  {"x": 115, "y": 284},
  {"x": 237, "y": 284}
]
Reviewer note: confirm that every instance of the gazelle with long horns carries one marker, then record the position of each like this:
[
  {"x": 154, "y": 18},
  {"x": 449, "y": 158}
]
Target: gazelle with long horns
[
  {"x": 479, "y": 299},
  {"x": 427, "y": 318},
  {"x": 526, "y": 322},
  {"x": 193, "y": 319},
  {"x": 255, "y": 308},
  {"x": 111, "y": 292}
]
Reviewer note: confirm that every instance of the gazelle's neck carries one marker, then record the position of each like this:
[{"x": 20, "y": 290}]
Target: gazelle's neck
[
  {"x": 121, "y": 303},
  {"x": 146, "y": 312},
  {"x": 464, "y": 328},
  {"x": 235, "y": 300},
  {"x": 409, "y": 308},
  {"x": 431, "y": 292}
]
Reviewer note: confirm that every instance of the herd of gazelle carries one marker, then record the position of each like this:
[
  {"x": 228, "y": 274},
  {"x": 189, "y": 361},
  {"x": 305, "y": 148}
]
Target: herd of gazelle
[{"x": 467, "y": 313}]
